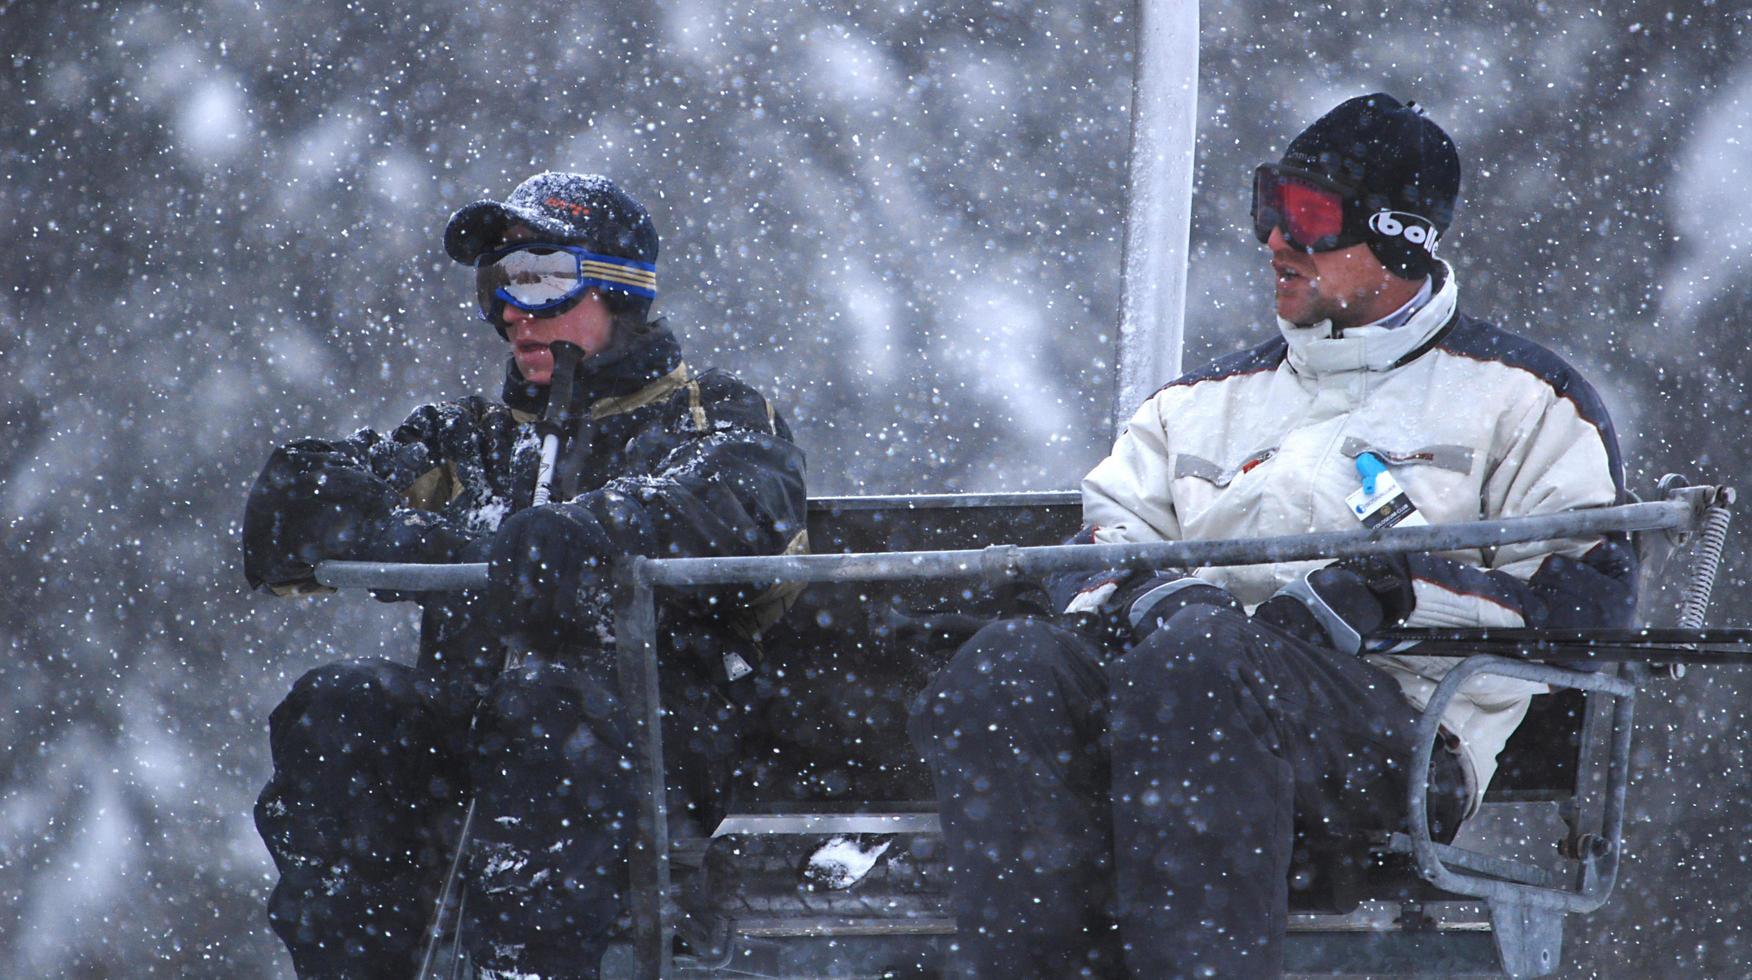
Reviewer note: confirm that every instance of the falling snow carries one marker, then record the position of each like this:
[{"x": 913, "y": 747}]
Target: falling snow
[{"x": 901, "y": 222}]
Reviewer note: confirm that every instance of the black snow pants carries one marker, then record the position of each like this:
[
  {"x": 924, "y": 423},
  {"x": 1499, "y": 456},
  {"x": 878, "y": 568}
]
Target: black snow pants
[
  {"x": 373, "y": 767},
  {"x": 1114, "y": 813}
]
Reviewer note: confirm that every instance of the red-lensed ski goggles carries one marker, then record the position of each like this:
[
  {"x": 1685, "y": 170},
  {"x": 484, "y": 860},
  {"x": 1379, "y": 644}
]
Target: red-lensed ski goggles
[
  {"x": 1318, "y": 215},
  {"x": 545, "y": 278}
]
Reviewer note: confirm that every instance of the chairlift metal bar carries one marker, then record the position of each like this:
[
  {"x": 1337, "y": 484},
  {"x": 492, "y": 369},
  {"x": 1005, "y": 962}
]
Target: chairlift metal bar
[
  {"x": 1011, "y": 561},
  {"x": 635, "y": 624},
  {"x": 1153, "y": 259},
  {"x": 1713, "y": 646}
]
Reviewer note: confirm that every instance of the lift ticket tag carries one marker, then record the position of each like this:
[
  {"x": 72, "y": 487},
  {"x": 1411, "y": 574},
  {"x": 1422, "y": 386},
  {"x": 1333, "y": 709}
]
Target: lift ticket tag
[
  {"x": 735, "y": 667},
  {"x": 1380, "y": 502}
]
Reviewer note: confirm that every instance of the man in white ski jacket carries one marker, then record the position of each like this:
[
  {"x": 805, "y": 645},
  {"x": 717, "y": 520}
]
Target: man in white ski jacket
[{"x": 1123, "y": 797}]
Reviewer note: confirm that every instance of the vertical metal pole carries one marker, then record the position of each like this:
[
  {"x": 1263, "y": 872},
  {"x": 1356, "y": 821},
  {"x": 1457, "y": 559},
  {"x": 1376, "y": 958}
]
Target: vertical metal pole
[
  {"x": 1164, "y": 128},
  {"x": 635, "y": 632},
  {"x": 1587, "y": 810},
  {"x": 1618, "y": 780}
]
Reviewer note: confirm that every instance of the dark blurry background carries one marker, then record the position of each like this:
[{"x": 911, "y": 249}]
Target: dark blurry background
[{"x": 901, "y": 220}]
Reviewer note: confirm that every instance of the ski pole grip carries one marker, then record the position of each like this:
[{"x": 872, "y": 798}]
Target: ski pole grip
[
  {"x": 557, "y": 420},
  {"x": 561, "y": 388}
]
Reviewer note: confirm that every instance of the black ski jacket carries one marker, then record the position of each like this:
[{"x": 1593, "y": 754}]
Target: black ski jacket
[{"x": 671, "y": 463}]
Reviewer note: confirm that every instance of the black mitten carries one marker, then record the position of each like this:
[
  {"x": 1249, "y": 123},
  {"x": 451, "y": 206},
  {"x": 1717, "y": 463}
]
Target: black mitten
[{"x": 548, "y": 566}]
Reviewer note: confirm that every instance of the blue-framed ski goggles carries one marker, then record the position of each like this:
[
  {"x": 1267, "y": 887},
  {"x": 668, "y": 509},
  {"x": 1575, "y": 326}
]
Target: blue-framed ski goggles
[{"x": 545, "y": 278}]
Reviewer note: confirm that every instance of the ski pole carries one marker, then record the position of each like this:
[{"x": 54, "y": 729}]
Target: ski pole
[
  {"x": 555, "y": 425},
  {"x": 556, "y": 422}
]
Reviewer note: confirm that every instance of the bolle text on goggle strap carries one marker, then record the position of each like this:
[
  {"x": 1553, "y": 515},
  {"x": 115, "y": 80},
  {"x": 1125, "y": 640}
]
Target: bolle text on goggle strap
[{"x": 1414, "y": 228}]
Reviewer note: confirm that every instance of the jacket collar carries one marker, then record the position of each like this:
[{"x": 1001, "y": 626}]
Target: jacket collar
[
  {"x": 1314, "y": 352},
  {"x": 614, "y": 373},
  {"x": 661, "y": 388}
]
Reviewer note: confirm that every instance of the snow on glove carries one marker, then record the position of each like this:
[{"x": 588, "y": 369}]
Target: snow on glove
[
  {"x": 377, "y": 528},
  {"x": 548, "y": 565},
  {"x": 1343, "y": 603}
]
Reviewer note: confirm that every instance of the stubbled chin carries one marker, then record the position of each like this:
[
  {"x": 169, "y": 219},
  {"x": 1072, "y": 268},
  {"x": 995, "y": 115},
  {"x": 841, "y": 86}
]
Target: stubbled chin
[
  {"x": 535, "y": 372},
  {"x": 1293, "y": 302},
  {"x": 1290, "y": 308}
]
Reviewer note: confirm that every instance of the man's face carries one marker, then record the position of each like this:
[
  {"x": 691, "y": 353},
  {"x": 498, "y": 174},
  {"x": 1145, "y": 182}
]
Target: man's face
[
  {"x": 588, "y": 324},
  {"x": 1345, "y": 285}
]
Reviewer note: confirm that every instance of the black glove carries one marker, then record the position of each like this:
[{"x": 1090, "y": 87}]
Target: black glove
[
  {"x": 1388, "y": 579},
  {"x": 1343, "y": 603},
  {"x": 1158, "y": 598},
  {"x": 1140, "y": 607},
  {"x": 548, "y": 566}
]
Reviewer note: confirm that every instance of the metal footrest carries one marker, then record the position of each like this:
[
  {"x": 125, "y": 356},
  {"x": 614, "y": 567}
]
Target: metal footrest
[
  {"x": 1480, "y": 863},
  {"x": 1396, "y": 952},
  {"x": 794, "y": 958}
]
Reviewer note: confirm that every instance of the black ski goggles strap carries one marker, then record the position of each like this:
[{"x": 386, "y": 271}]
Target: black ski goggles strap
[{"x": 1316, "y": 214}]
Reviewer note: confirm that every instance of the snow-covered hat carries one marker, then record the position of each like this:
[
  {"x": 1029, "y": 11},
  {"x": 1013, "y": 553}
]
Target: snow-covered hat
[{"x": 572, "y": 209}]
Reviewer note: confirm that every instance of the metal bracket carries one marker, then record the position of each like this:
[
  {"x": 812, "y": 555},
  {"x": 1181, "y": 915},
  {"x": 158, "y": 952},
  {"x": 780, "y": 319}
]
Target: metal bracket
[
  {"x": 1700, "y": 498},
  {"x": 1529, "y": 939}
]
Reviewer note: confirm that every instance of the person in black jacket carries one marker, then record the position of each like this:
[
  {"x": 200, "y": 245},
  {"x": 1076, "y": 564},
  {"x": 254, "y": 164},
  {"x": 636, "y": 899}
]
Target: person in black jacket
[{"x": 375, "y": 761}]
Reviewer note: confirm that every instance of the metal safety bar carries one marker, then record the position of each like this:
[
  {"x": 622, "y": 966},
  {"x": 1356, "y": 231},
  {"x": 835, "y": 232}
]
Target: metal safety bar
[
  {"x": 1006, "y": 561},
  {"x": 637, "y": 577}
]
